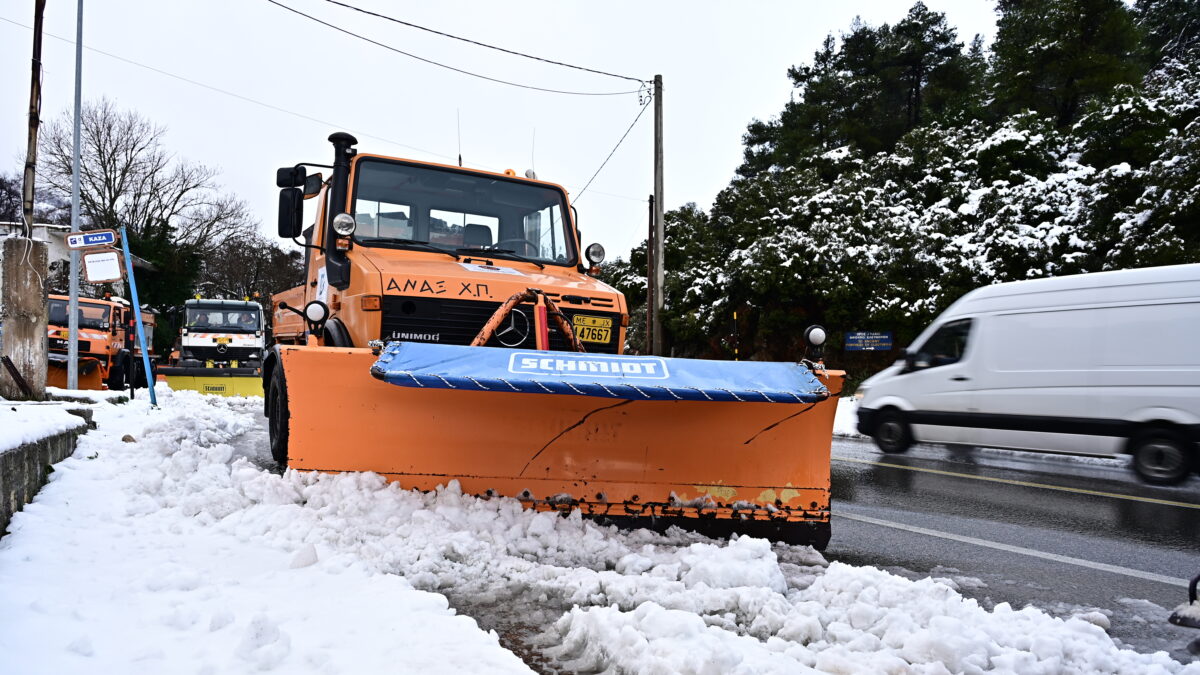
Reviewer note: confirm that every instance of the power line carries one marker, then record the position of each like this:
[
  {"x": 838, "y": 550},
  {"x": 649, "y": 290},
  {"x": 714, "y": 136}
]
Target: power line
[
  {"x": 483, "y": 44},
  {"x": 448, "y": 67},
  {"x": 232, "y": 94},
  {"x": 302, "y": 116},
  {"x": 614, "y": 150}
]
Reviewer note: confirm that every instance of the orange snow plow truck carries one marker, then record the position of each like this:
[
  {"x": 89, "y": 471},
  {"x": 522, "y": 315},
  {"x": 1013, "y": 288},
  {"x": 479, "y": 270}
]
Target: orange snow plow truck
[
  {"x": 449, "y": 329},
  {"x": 109, "y": 355}
]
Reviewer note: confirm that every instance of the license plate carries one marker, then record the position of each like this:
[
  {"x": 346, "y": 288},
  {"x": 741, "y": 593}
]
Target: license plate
[
  {"x": 224, "y": 341},
  {"x": 58, "y": 343},
  {"x": 593, "y": 328}
]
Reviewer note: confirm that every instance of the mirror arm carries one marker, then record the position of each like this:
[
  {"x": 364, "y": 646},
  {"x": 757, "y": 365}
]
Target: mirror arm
[{"x": 296, "y": 240}]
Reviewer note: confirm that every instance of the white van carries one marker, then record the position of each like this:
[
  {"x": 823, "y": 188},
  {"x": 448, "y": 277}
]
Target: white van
[{"x": 1095, "y": 364}]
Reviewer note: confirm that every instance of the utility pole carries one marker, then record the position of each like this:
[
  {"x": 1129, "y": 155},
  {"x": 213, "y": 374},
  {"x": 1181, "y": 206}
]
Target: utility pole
[
  {"x": 650, "y": 276},
  {"x": 73, "y": 304},
  {"x": 657, "y": 298},
  {"x": 35, "y": 118}
]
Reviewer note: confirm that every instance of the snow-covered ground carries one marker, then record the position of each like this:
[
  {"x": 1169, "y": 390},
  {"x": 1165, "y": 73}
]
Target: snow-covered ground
[
  {"x": 181, "y": 551},
  {"x": 24, "y": 422}
]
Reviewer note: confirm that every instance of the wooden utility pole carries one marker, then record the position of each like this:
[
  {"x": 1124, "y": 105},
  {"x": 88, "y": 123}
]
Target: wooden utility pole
[
  {"x": 656, "y": 345},
  {"x": 648, "y": 343},
  {"x": 35, "y": 118}
]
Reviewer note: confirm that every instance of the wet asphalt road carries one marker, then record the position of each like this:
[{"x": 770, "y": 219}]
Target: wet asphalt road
[{"x": 990, "y": 521}]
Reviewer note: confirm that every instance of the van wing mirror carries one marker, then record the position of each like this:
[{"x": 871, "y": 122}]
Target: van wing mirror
[
  {"x": 291, "y": 210},
  {"x": 289, "y": 177}
]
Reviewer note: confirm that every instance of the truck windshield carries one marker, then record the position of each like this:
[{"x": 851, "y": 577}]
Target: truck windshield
[
  {"x": 222, "y": 319},
  {"x": 397, "y": 203},
  {"x": 90, "y": 315}
]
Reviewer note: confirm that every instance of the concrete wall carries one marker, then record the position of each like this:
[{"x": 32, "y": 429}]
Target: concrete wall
[
  {"x": 24, "y": 469},
  {"x": 23, "y": 318}
]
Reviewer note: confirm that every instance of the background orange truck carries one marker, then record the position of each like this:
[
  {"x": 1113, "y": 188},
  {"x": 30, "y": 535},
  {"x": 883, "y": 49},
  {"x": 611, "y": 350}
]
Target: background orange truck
[{"x": 108, "y": 352}]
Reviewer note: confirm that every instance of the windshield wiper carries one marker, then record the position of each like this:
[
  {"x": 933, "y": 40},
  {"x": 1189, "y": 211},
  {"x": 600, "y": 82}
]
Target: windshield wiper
[
  {"x": 387, "y": 242},
  {"x": 503, "y": 251}
]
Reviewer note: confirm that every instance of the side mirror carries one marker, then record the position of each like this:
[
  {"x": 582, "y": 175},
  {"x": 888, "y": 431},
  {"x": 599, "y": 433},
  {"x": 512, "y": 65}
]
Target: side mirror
[
  {"x": 289, "y": 177},
  {"x": 918, "y": 361},
  {"x": 312, "y": 185},
  {"x": 291, "y": 210}
]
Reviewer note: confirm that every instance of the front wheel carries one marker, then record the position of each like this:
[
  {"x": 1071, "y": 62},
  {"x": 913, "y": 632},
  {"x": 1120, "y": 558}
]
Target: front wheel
[
  {"x": 892, "y": 434},
  {"x": 1161, "y": 457},
  {"x": 278, "y": 415}
]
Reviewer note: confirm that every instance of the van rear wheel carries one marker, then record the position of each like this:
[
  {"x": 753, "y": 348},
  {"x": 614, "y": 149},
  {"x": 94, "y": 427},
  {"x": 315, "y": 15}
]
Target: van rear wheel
[
  {"x": 1161, "y": 457},
  {"x": 892, "y": 433}
]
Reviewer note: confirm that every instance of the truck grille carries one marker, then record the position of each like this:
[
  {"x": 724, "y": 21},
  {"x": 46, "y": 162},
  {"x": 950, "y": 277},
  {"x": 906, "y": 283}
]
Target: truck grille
[{"x": 457, "y": 322}]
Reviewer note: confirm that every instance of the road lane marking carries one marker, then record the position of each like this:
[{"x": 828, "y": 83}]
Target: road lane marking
[
  {"x": 1022, "y": 483},
  {"x": 1104, "y": 567}
]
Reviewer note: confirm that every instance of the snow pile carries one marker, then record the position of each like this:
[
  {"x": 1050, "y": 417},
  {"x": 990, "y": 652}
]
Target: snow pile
[
  {"x": 852, "y": 620},
  {"x": 116, "y": 568},
  {"x": 22, "y": 423},
  {"x": 845, "y": 421},
  {"x": 180, "y": 553}
]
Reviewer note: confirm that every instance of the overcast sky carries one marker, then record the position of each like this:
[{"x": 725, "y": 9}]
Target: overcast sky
[{"x": 723, "y": 64}]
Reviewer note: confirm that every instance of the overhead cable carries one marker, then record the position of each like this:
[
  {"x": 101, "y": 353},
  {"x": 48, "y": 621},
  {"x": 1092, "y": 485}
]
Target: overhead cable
[
  {"x": 614, "y": 150},
  {"x": 484, "y": 44},
  {"x": 279, "y": 109},
  {"x": 449, "y": 67}
]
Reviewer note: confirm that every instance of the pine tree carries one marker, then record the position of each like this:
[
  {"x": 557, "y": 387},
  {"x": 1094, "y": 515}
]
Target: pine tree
[{"x": 1054, "y": 56}]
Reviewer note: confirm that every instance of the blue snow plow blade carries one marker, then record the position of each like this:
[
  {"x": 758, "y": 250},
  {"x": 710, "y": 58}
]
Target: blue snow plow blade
[{"x": 413, "y": 364}]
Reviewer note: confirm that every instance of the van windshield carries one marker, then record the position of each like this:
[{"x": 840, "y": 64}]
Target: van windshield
[
  {"x": 948, "y": 344},
  {"x": 404, "y": 206}
]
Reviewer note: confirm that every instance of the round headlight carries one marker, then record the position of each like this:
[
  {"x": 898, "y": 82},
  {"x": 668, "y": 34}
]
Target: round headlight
[
  {"x": 343, "y": 224},
  {"x": 815, "y": 335},
  {"x": 594, "y": 254},
  {"x": 316, "y": 311}
]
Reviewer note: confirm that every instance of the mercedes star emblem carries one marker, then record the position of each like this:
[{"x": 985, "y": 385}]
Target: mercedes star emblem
[{"x": 514, "y": 330}]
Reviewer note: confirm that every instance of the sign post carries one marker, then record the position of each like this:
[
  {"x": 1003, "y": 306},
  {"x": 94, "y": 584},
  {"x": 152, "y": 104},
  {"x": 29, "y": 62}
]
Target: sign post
[{"x": 137, "y": 318}]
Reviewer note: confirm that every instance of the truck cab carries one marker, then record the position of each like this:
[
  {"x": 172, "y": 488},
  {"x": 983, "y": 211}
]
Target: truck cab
[
  {"x": 402, "y": 250},
  {"x": 108, "y": 351}
]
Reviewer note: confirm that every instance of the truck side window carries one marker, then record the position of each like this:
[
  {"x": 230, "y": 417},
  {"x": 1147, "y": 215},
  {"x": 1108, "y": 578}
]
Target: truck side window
[{"x": 948, "y": 344}]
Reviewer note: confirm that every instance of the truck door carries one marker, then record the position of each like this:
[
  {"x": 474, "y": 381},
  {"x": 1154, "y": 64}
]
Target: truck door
[{"x": 939, "y": 382}]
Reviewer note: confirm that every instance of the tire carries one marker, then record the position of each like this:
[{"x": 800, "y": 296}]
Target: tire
[
  {"x": 1162, "y": 457},
  {"x": 892, "y": 433},
  {"x": 118, "y": 374},
  {"x": 278, "y": 415}
]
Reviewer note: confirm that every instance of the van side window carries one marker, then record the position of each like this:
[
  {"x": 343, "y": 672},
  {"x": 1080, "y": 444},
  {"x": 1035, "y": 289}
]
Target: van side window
[{"x": 948, "y": 344}]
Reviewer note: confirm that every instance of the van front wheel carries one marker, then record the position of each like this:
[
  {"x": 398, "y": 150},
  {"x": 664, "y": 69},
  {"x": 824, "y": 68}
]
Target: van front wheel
[
  {"x": 892, "y": 433},
  {"x": 1161, "y": 457}
]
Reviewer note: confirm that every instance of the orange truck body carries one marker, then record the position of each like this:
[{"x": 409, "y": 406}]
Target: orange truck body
[
  {"x": 718, "y": 467},
  {"x": 107, "y": 342}
]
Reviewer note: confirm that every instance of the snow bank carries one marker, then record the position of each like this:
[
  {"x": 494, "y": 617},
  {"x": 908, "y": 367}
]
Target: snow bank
[
  {"x": 180, "y": 553},
  {"x": 22, "y": 423},
  {"x": 117, "y": 567},
  {"x": 845, "y": 422}
]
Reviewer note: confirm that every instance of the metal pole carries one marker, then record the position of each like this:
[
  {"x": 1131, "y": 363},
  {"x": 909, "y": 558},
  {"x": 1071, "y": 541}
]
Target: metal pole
[
  {"x": 649, "y": 341},
  {"x": 658, "y": 216},
  {"x": 35, "y": 118},
  {"x": 73, "y": 305},
  {"x": 137, "y": 320}
]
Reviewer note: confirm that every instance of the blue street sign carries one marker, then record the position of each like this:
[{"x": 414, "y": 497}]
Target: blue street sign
[
  {"x": 863, "y": 341},
  {"x": 90, "y": 239}
]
